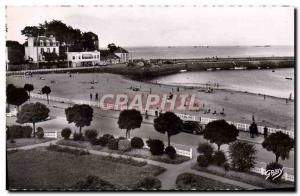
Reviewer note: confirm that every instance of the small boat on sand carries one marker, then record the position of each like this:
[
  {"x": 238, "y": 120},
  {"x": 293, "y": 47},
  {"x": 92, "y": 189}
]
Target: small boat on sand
[{"x": 289, "y": 78}]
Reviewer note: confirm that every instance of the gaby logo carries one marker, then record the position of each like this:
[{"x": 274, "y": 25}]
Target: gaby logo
[{"x": 274, "y": 173}]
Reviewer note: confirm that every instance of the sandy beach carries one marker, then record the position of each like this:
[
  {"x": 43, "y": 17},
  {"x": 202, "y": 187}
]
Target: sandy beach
[{"x": 238, "y": 106}]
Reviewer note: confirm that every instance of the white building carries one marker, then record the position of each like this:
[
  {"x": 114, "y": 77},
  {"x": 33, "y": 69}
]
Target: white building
[
  {"x": 122, "y": 54},
  {"x": 79, "y": 59},
  {"x": 38, "y": 45}
]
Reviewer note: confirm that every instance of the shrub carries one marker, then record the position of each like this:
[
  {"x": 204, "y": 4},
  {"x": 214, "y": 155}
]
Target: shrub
[
  {"x": 108, "y": 137},
  {"x": 40, "y": 132},
  {"x": 17, "y": 131},
  {"x": 148, "y": 142},
  {"x": 148, "y": 183},
  {"x": 242, "y": 156},
  {"x": 273, "y": 166},
  {"x": 137, "y": 142},
  {"x": 207, "y": 150},
  {"x": 65, "y": 133},
  {"x": 27, "y": 131},
  {"x": 102, "y": 141},
  {"x": 171, "y": 152},
  {"x": 112, "y": 144},
  {"x": 157, "y": 147},
  {"x": 91, "y": 134},
  {"x": 202, "y": 161},
  {"x": 124, "y": 145},
  {"x": 219, "y": 158},
  {"x": 226, "y": 166},
  {"x": 92, "y": 183},
  {"x": 77, "y": 136}
]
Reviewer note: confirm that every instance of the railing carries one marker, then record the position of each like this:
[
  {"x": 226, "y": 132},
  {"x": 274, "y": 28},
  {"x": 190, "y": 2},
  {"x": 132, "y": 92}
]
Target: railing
[
  {"x": 50, "y": 134},
  {"x": 262, "y": 171},
  {"x": 203, "y": 120}
]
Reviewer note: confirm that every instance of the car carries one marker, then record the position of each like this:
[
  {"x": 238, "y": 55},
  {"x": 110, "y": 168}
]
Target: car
[{"x": 192, "y": 127}]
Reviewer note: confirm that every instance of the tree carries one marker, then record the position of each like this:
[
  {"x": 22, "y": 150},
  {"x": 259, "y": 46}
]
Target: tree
[
  {"x": 33, "y": 31},
  {"x": 65, "y": 34},
  {"x": 242, "y": 155},
  {"x": 129, "y": 119},
  {"x": 220, "y": 132},
  {"x": 46, "y": 90},
  {"x": 168, "y": 123},
  {"x": 15, "y": 52},
  {"x": 33, "y": 113},
  {"x": 280, "y": 144},
  {"x": 90, "y": 41},
  {"x": 28, "y": 88},
  {"x": 16, "y": 96},
  {"x": 112, "y": 47},
  {"x": 81, "y": 115}
]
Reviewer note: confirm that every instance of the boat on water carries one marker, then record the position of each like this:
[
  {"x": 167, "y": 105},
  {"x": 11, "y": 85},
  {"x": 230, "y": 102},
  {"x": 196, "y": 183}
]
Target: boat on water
[
  {"x": 289, "y": 78},
  {"x": 183, "y": 70},
  {"x": 209, "y": 69}
]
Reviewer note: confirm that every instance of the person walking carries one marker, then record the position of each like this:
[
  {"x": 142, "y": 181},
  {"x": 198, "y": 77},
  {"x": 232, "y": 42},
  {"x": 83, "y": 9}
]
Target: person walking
[
  {"x": 146, "y": 115},
  {"x": 96, "y": 96},
  {"x": 251, "y": 130},
  {"x": 91, "y": 96},
  {"x": 265, "y": 132}
]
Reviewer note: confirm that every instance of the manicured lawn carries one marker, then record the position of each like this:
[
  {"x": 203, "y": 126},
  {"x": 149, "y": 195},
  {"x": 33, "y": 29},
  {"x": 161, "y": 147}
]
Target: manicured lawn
[
  {"x": 187, "y": 181},
  {"x": 40, "y": 168},
  {"x": 246, "y": 177},
  {"x": 26, "y": 141}
]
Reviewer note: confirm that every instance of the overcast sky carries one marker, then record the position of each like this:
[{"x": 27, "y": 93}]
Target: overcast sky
[{"x": 165, "y": 26}]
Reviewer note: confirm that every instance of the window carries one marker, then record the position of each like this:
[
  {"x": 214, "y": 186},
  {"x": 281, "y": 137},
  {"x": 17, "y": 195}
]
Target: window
[
  {"x": 53, "y": 44},
  {"x": 79, "y": 57},
  {"x": 54, "y": 50},
  {"x": 95, "y": 57},
  {"x": 42, "y": 50},
  {"x": 41, "y": 43},
  {"x": 47, "y": 43},
  {"x": 48, "y": 50},
  {"x": 73, "y": 57},
  {"x": 98, "y": 56}
]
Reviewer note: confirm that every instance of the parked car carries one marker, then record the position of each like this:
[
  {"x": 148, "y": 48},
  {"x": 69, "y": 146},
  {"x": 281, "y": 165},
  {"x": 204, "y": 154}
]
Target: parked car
[{"x": 193, "y": 127}]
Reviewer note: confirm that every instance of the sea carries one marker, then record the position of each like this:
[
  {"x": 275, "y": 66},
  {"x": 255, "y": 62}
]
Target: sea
[
  {"x": 184, "y": 52},
  {"x": 277, "y": 83},
  {"x": 273, "y": 82}
]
